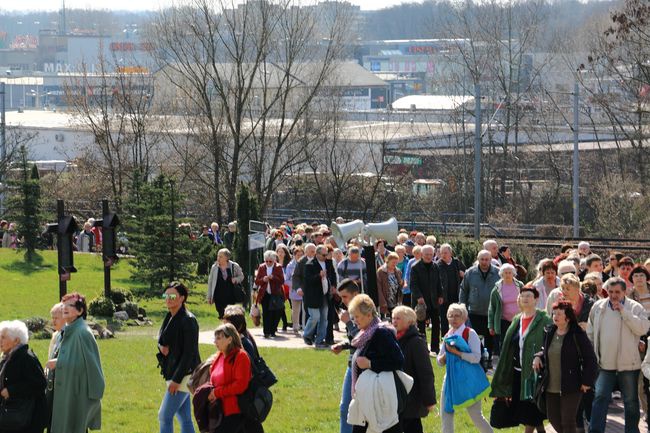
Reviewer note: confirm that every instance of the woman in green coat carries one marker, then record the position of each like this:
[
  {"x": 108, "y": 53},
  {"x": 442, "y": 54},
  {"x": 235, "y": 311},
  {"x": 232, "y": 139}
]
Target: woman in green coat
[
  {"x": 78, "y": 376},
  {"x": 514, "y": 378}
]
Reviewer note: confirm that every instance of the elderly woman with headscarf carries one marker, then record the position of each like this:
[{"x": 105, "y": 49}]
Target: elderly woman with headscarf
[
  {"x": 79, "y": 379},
  {"x": 22, "y": 382}
]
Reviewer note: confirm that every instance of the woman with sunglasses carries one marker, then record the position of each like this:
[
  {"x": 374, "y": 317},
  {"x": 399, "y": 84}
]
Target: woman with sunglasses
[{"x": 178, "y": 355}]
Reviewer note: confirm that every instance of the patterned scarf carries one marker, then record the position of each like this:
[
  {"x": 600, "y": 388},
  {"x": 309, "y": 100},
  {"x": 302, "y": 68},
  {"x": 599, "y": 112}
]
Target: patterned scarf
[{"x": 359, "y": 342}]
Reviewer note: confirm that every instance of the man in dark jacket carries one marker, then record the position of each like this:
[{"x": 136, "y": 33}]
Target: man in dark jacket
[
  {"x": 319, "y": 282},
  {"x": 451, "y": 275},
  {"x": 426, "y": 289}
]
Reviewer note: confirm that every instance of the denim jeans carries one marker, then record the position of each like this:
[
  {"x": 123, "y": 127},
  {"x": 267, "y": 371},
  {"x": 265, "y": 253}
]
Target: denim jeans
[
  {"x": 317, "y": 322},
  {"x": 179, "y": 404},
  {"x": 346, "y": 397},
  {"x": 628, "y": 383}
]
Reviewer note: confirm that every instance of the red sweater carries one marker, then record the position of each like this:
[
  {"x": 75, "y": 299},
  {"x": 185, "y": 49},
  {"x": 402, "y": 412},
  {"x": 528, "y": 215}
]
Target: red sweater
[{"x": 230, "y": 377}]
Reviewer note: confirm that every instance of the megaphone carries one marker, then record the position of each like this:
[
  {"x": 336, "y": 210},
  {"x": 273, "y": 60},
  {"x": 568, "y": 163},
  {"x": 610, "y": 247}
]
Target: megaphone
[
  {"x": 344, "y": 232},
  {"x": 387, "y": 230}
]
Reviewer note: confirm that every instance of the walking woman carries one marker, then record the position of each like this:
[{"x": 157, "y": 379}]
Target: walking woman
[
  {"x": 569, "y": 367},
  {"x": 79, "y": 380},
  {"x": 178, "y": 355},
  {"x": 297, "y": 313},
  {"x": 230, "y": 374},
  {"x": 270, "y": 279},
  {"x": 21, "y": 378},
  {"x": 377, "y": 350},
  {"x": 422, "y": 398},
  {"x": 224, "y": 276},
  {"x": 457, "y": 316},
  {"x": 503, "y": 302},
  {"x": 284, "y": 258},
  {"x": 514, "y": 377},
  {"x": 389, "y": 285}
]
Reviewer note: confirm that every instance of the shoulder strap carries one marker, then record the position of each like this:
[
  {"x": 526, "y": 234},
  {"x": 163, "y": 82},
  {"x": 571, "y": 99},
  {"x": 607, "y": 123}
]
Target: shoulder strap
[
  {"x": 575, "y": 342},
  {"x": 466, "y": 333},
  {"x": 345, "y": 268}
]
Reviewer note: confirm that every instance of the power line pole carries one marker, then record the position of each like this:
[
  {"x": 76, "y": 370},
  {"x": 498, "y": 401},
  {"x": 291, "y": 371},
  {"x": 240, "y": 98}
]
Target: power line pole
[
  {"x": 3, "y": 144},
  {"x": 576, "y": 163},
  {"x": 477, "y": 161}
]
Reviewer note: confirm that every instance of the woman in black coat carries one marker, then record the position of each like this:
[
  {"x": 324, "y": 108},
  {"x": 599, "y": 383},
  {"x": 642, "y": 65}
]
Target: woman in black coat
[
  {"x": 569, "y": 367},
  {"x": 422, "y": 398},
  {"x": 21, "y": 375}
]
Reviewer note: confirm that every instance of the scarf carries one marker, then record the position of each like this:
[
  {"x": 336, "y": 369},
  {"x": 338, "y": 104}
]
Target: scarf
[{"x": 359, "y": 342}]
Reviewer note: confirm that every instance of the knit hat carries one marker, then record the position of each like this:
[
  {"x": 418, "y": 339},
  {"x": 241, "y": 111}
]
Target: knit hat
[{"x": 565, "y": 267}]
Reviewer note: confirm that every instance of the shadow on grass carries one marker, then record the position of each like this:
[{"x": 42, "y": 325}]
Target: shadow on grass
[{"x": 20, "y": 265}]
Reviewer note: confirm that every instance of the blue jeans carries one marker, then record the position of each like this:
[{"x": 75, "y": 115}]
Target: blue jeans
[
  {"x": 627, "y": 382},
  {"x": 346, "y": 397},
  {"x": 179, "y": 404},
  {"x": 317, "y": 317}
]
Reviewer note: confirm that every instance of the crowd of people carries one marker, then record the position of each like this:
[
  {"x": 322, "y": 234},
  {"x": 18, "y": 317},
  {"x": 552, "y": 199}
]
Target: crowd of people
[{"x": 558, "y": 345}]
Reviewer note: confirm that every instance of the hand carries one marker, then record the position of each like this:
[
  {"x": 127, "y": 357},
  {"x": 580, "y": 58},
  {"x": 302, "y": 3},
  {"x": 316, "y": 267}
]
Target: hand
[
  {"x": 333, "y": 290},
  {"x": 173, "y": 387},
  {"x": 441, "y": 301},
  {"x": 430, "y": 408},
  {"x": 209, "y": 301},
  {"x": 492, "y": 332},
  {"x": 461, "y": 274},
  {"x": 4, "y": 393},
  {"x": 266, "y": 278},
  {"x": 300, "y": 292},
  {"x": 420, "y": 300},
  {"x": 323, "y": 274},
  {"x": 583, "y": 325},
  {"x": 537, "y": 364},
  {"x": 616, "y": 306},
  {"x": 452, "y": 349},
  {"x": 642, "y": 346},
  {"x": 363, "y": 362},
  {"x": 164, "y": 350},
  {"x": 234, "y": 281},
  {"x": 584, "y": 388},
  {"x": 51, "y": 364},
  {"x": 211, "y": 397},
  {"x": 337, "y": 348},
  {"x": 345, "y": 317}
]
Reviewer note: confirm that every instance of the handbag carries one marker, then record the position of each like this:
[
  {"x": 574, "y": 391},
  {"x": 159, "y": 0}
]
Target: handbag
[
  {"x": 539, "y": 396},
  {"x": 255, "y": 403},
  {"x": 255, "y": 314},
  {"x": 239, "y": 293},
  {"x": 276, "y": 302},
  {"x": 16, "y": 413},
  {"x": 502, "y": 414},
  {"x": 263, "y": 373}
]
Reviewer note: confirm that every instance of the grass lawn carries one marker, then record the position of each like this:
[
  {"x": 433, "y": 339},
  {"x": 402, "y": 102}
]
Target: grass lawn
[{"x": 306, "y": 396}]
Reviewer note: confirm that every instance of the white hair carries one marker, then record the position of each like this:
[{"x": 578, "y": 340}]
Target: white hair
[
  {"x": 310, "y": 246},
  {"x": 505, "y": 267},
  {"x": 270, "y": 255},
  {"x": 489, "y": 243},
  {"x": 400, "y": 248},
  {"x": 458, "y": 308},
  {"x": 583, "y": 244},
  {"x": 447, "y": 247},
  {"x": 56, "y": 309},
  {"x": 15, "y": 329},
  {"x": 483, "y": 253},
  {"x": 428, "y": 247}
]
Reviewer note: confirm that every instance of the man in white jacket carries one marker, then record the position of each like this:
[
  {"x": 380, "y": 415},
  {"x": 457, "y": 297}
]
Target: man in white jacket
[{"x": 615, "y": 327}]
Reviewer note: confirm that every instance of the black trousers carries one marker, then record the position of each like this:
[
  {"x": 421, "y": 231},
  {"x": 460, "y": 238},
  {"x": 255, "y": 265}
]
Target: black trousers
[
  {"x": 397, "y": 428},
  {"x": 444, "y": 323},
  {"x": 231, "y": 424},
  {"x": 332, "y": 318},
  {"x": 411, "y": 425},
  {"x": 479, "y": 324},
  {"x": 434, "y": 316},
  {"x": 561, "y": 411},
  {"x": 252, "y": 426},
  {"x": 270, "y": 318}
]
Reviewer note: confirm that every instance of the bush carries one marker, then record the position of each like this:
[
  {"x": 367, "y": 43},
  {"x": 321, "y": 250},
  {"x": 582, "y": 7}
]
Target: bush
[
  {"x": 35, "y": 324},
  {"x": 120, "y": 296},
  {"x": 101, "y": 307},
  {"x": 131, "y": 308}
]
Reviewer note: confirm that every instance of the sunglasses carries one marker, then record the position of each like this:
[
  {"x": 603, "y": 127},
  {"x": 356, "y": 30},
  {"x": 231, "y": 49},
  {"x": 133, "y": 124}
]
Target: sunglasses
[{"x": 170, "y": 296}]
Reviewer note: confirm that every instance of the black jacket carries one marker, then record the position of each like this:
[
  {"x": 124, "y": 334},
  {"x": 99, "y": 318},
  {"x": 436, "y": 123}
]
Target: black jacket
[
  {"x": 383, "y": 352},
  {"x": 313, "y": 289},
  {"x": 586, "y": 309},
  {"x": 418, "y": 366},
  {"x": 574, "y": 373},
  {"x": 181, "y": 334},
  {"x": 425, "y": 283},
  {"x": 24, "y": 379},
  {"x": 450, "y": 279}
]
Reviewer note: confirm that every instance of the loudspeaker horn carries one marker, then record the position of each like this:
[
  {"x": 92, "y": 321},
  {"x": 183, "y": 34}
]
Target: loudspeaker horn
[
  {"x": 344, "y": 232},
  {"x": 387, "y": 230}
]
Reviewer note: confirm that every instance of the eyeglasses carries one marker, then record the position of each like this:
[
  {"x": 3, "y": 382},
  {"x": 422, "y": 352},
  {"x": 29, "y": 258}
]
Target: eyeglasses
[{"x": 170, "y": 296}]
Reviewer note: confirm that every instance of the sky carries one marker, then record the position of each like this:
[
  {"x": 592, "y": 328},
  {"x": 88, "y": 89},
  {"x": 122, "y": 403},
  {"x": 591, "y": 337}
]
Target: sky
[{"x": 26, "y": 5}]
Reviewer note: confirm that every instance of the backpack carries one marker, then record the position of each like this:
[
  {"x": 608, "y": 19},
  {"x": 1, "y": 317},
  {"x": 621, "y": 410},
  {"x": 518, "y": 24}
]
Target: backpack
[{"x": 466, "y": 338}]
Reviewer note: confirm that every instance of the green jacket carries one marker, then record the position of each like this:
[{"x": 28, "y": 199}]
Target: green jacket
[
  {"x": 533, "y": 342},
  {"x": 496, "y": 304},
  {"x": 78, "y": 383}
]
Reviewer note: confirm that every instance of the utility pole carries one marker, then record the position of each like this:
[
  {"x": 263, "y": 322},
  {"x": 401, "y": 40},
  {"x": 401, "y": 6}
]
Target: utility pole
[
  {"x": 477, "y": 161},
  {"x": 576, "y": 163},
  {"x": 3, "y": 145}
]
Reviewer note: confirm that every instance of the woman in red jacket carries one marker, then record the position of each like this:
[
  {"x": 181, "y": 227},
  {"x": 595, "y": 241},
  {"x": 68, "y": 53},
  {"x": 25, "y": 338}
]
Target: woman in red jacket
[
  {"x": 269, "y": 279},
  {"x": 230, "y": 374}
]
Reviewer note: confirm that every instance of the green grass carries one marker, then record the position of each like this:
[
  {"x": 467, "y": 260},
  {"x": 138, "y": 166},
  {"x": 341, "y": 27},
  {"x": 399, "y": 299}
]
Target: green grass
[{"x": 306, "y": 398}]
